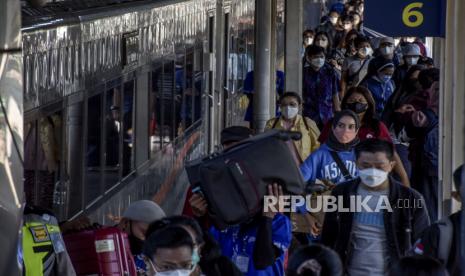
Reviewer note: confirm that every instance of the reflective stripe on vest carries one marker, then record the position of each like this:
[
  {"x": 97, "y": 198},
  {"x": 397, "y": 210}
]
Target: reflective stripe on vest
[{"x": 38, "y": 251}]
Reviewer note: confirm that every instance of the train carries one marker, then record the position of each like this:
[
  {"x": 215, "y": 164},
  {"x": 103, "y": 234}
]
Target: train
[{"x": 118, "y": 96}]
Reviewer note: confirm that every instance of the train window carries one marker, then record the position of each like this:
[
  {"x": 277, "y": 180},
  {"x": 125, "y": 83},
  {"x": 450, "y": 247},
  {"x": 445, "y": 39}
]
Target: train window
[
  {"x": 128, "y": 127},
  {"x": 42, "y": 159},
  {"x": 112, "y": 136},
  {"x": 93, "y": 150}
]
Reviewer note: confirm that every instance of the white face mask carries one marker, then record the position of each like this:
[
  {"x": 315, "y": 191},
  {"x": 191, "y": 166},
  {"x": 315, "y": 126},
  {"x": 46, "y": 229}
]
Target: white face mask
[
  {"x": 289, "y": 112},
  {"x": 308, "y": 40},
  {"x": 386, "y": 50},
  {"x": 411, "y": 60},
  {"x": 317, "y": 62},
  {"x": 373, "y": 177},
  {"x": 177, "y": 272}
]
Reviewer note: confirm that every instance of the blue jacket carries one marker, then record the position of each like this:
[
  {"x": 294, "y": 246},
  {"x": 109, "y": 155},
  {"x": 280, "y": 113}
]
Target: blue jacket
[
  {"x": 381, "y": 92},
  {"x": 238, "y": 245},
  {"x": 321, "y": 165}
]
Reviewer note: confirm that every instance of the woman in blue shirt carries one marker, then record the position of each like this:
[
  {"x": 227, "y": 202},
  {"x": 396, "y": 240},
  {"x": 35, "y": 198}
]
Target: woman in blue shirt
[{"x": 342, "y": 140}]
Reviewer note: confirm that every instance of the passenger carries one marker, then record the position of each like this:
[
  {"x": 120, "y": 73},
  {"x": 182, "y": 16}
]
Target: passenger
[
  {"x": 336, "y": 60},
  {"x": 322, "y": 165},
  {"x": 387, "y": 50},
  {"x": 442, "y": 239},
  {"x": 358, "y": 24},
  {"x": 195, "y": 205},
  {"x": 371, "y": 240},
  {"x": 323, "y": 40},
  {"x": 307, "y": 39},
  {"x": 347, "y": 45},
  {"x": 170, "y": 251},
  {"x": 329, "y": 27},
  {"x": 320, "y": 87},
  {"x": 314, "y": 260},
  {"x": 355, "y": 68},
  {"x": 258, "y": 247},
  {"x": 290, "y": 106},
  {"x": 136, "y": 220},
  {"x": 409, "y": 87},
  {"x": 207, "y": 252},
  {"x": 359, "y": 100},
  {"x": 347, "y": 26},
  {"x": 418, "y": 266},
  {"x": 427, "y": 62},
  {"x": 43, "y": 248},
  {"x": 249, "y": 90},
  {"x": 380, "y": 84},
  {"x": 411, "y": 56}
]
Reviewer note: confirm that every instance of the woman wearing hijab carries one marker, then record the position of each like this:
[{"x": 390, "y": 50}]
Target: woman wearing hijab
[
  {"x": 359, "y": 100},
  {"x": 323, "y": 164}
]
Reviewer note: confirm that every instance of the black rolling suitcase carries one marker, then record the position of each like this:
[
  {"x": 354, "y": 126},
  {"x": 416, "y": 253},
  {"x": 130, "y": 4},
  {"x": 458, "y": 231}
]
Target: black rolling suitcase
[{"x": 234, "y": 182}]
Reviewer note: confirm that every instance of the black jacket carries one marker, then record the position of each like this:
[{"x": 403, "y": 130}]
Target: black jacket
[{"x": 403, "y": 225}]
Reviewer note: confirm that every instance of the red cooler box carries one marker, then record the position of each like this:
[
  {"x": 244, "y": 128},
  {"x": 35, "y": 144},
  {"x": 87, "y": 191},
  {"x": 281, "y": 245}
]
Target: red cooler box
[{"x": 100, "y": 252}]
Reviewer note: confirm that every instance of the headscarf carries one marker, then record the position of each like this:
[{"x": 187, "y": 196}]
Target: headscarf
[{"x": 332, "y": 142}]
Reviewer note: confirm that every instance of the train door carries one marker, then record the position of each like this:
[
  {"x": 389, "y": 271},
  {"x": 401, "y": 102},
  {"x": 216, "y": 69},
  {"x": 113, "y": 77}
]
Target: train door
[
  {"x": 209, "y": 99},
  {"x": 226, "y": 69}
]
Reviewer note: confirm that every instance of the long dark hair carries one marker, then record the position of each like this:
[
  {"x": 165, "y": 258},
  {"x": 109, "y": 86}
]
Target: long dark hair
[
  {"x": 330, "y": 41},
  {"x": 370, "y": 119}
]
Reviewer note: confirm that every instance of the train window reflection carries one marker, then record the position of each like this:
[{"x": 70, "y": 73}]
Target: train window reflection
[
  {"x": 42, "y": 159},
  {"x": 93, "y": 150},
  {"x": 112, "y": 136},
  {"x": 156, "y": 110},
  {"x": 128, "y": 130}
]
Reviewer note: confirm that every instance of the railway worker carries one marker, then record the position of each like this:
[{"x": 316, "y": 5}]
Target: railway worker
[
  {"x": 320, "y": 87},
  {"x": 375, "y": 236},
  {"x": 135, "y": 221},
  {"x": 290, "y": 105},
  {"x": 44, "y": 251}
]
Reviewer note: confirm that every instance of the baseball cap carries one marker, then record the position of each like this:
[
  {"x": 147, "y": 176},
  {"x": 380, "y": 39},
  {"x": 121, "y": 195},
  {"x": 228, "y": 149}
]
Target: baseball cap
[{"x": 144, "y": 211}]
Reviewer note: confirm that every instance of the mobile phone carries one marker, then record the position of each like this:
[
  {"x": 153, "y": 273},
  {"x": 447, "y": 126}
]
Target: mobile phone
[{"x": 197, "y": 190}]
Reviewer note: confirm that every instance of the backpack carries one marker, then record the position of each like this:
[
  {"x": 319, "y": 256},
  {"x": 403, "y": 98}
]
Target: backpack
[{"x": 234, "y": 182}]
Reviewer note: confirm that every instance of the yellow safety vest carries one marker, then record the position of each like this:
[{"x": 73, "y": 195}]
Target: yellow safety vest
[{"x": 38, "y": 246}]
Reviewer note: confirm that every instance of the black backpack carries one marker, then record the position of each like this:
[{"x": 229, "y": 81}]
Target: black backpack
[{"x": 234, "y": 182}]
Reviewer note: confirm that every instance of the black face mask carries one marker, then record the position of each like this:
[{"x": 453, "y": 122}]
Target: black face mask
[{"x": 357, "y": 107}]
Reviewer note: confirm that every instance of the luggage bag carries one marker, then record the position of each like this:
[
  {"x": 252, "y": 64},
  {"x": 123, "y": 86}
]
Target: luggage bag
[{"x": 100, "y": 252}]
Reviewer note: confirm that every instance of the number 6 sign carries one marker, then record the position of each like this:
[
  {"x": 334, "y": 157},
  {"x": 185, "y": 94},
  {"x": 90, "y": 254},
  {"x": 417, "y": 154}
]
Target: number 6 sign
[{"x": 406, "y": 17}]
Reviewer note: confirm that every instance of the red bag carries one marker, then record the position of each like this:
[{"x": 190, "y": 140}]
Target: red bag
[{"x": 103, "y": 251}]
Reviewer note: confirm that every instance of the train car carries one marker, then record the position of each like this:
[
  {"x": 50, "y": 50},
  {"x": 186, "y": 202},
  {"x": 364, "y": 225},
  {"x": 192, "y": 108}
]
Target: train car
[{"x": 117, "y": 96}]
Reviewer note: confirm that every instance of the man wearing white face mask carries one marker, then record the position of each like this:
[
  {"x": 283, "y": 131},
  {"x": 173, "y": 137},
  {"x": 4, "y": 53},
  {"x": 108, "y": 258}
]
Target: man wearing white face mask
[
  {"x": 355, "y": 68},
  {"x": 290, "y": 105},
  {"x": 411, "y": 54},
  {"x": 371, "y": 239}
]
